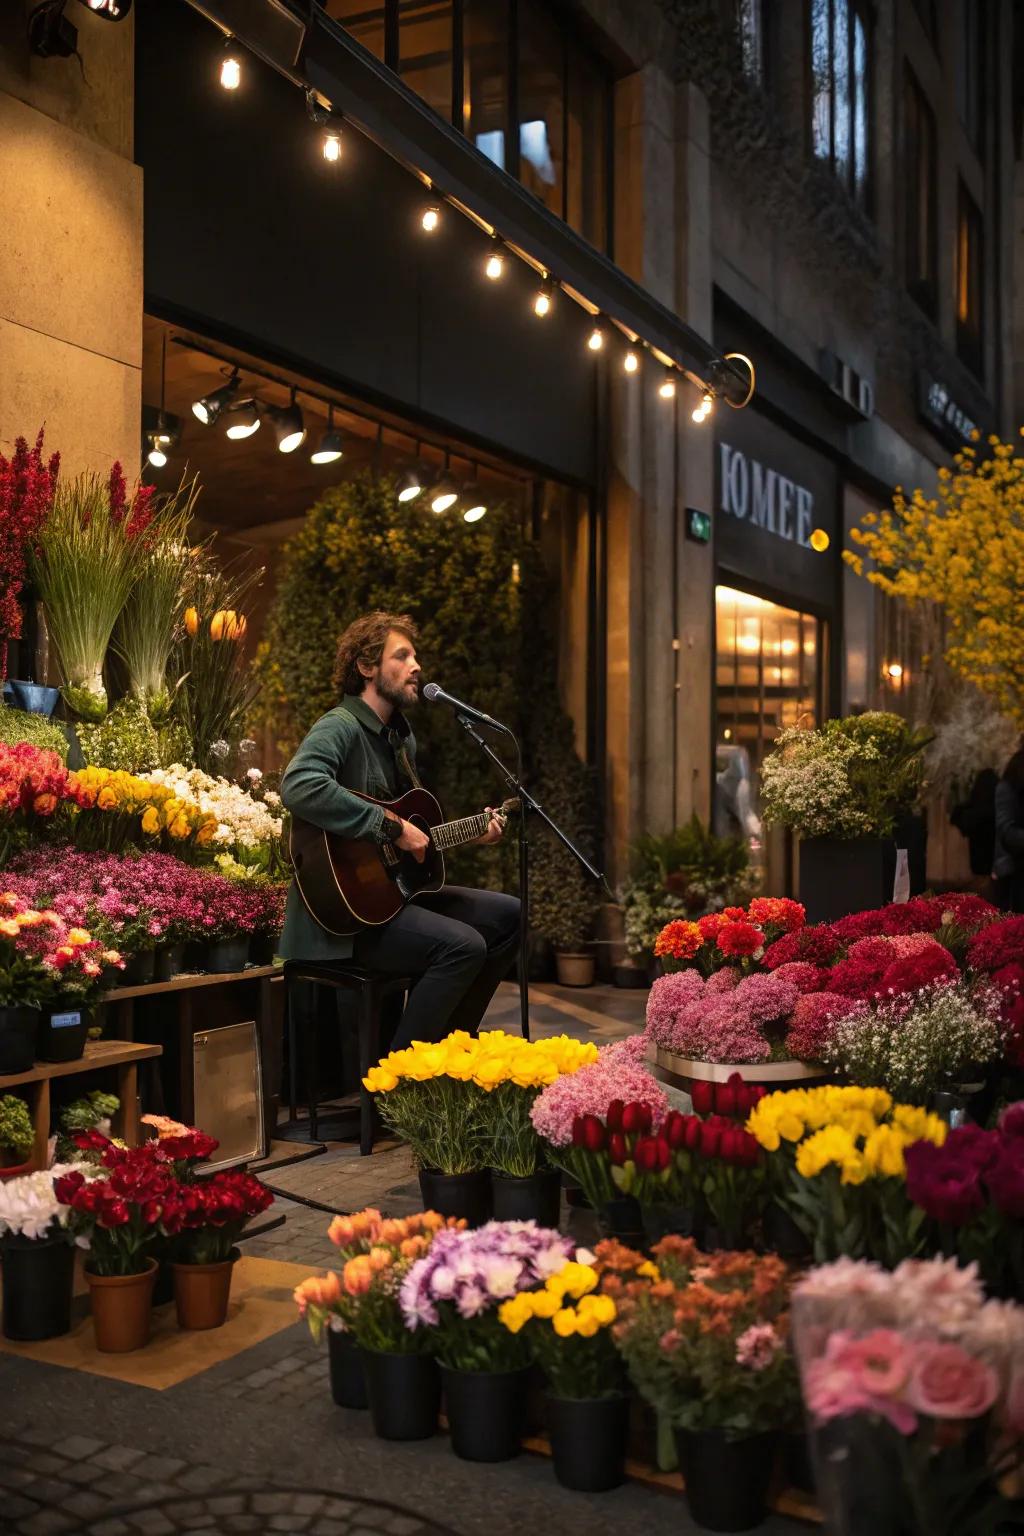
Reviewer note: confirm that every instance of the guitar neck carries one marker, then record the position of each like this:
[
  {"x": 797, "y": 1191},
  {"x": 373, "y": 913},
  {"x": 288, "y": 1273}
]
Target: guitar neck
[{"x": 454, "y": 834}]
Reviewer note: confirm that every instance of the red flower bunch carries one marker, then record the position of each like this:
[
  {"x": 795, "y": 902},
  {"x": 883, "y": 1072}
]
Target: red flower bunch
[
  {"x": 123, "y": 1214},
  {"x": 136, "y": 515},
  {"x": 734, "y": 1098},
  {"x": 740, "y": 940},
  {"x": 771, "y": 912},
  {"x": 212, "y": 1212},
  {"x": 33, "y": 781},
  {"x": 720, "y": 1137},
  {"x": 26, "y": 496},
  {"x": 193, "y": 1147},
  {"x": 679, "y": 940},
  {"x": 623, "y": 1154},
  {"x": 997, "y": 945},
  {"x": 820, "y": 945},
  {"x": 923, "y": 969}
]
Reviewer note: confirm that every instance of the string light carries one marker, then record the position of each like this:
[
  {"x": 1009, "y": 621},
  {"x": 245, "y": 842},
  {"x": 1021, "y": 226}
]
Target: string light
[
  {"x": 431, "y": 218},
  {"x": 667, "y": 387},
  {"x": 595, "y": 341},
  {"x": 542, "y": 299},
  {"x": 495, "y": 262},
  {"x": 230, "y": 68},
  {"x": 332, "y": 145},
  {"x": 631, "y": 361}
]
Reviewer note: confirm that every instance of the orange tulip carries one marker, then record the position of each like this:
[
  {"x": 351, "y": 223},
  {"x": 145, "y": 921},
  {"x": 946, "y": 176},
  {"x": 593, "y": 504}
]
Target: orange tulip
[
  {"x": 191, "y": 620},
  {"x": 219, "y": 623}
]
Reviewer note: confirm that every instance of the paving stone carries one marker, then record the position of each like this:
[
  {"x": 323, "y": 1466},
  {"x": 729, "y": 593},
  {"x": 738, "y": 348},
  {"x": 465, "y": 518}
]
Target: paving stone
[
  {"x": 271, "y": 1503},
  {"x": 86, "y": 1503},
  {"x": 49, "y": 1490},
  {"x": 243, "y": 1523},
  {"x": 160, "y": 1467},
  {"x": 44, "y": 1463},
  {"x": 153, "y": 1522},
  {"x": 47, "y": 1522},
  {"x": 15, "y": 1477},
  {"x": 307, "y": 1503},
  {"x": 201, "y": 1479},
  {"x": 77, "y": 1447},
  {"x": 227, "y": 1504},
  {"x": 198, "y": 1522},
  {"x": 14, "y": 1505},
  {"x": 288, "y": 1523},
  {"x": 37, "y": 1434},
  {"x": 83, "y": 1472},
  {"x": 113, "y": 1527},
  {"x": 118, "y": 1457}
]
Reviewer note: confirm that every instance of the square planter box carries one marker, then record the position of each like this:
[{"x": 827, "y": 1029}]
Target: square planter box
[
  {"x": 839, "y": 876},
  {"x": 682, "y": 1071}
]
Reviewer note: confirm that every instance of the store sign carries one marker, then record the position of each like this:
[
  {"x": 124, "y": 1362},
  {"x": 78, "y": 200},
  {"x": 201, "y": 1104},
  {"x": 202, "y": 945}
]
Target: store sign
[
  {"x": 851, "y": 387},
  {"x": 952, "y": 423},
  {"x": 753, "y": 492},
  {"x": 698, "y": 525}
]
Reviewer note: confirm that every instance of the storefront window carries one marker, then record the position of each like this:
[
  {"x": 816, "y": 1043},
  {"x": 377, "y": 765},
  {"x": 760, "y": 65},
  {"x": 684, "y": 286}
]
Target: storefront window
[
  {"x": 768, "y": 670},
  {"x": 365, "y": 22},
  {"x": 425, "y": 52},
  {"x": 485, "y": 77},
  {"x": 841, "y": 79},
  {"x": 587, "y": 151},
  {"x": 919, "y": 176},
  {"x": 969, "y": 335},
  {"x": 541, "y": 105}
]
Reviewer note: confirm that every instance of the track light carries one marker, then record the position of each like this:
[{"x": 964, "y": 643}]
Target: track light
[
  {"x": 495, "y": 262},
  {"x": 445, "y": 492},
  {"x": 543, "y": 298},
  {"x": 157, "y": 455},
  {"x": 330, "y": 448},
  {"x": 109, "y": 10},
  {"x": 230, "y": 67},
  {"x": 244, "y": 419},
  {"x": 410, "y": 483},
  {"x": 631, "y": 361},
  {"x": 430, "y": 219},
  {"x": 288, "y": 426},
  {"x": 473, "y": 503},
  {"x": 210, "y": 406},
  {"x": 595, "y": 341},
  {"x": 667, "y": 387}
]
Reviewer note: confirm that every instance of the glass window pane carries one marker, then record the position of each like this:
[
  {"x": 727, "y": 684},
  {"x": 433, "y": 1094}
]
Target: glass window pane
[
  {"x": 841, "y": 92},
  {"x": 541, "y": 105},
  {"x": 587, "y": 200},
  {"x": 365, "y": 22},
  {"x": 425, "y": 52},
  {"x": 750, "y": 22},
  {"x": 485, "y": 76},
  {"x": 860, "y": 111},
  {"x": 969, "y": 336},
  {"x": 821, "y": 68}
]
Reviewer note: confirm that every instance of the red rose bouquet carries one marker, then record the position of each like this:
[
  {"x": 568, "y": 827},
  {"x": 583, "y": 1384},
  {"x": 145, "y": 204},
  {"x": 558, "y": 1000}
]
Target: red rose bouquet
[
  {"x": 211, "y": 1213},
  {"x": 122, "y": 1217}
]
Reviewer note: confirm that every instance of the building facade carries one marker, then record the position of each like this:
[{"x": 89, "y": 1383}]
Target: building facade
[{"x": 823, "y": 187}]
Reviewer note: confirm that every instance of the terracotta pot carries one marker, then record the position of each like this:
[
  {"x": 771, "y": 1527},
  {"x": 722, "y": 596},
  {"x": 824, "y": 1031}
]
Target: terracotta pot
[
  {"x": 122, "y": 1308},
  {"x": 201, "y": 1293},
  {"x": 574, "y": 970},
  {"x": 13, "y": 1170}
]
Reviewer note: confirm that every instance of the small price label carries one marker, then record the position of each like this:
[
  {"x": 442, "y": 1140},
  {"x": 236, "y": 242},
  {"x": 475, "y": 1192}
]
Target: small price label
[{"x": 65, "y": 1020}]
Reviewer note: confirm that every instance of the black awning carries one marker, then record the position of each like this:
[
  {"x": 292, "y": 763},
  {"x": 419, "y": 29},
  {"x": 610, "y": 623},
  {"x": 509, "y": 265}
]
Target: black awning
[{"x": 300, "y": 41}]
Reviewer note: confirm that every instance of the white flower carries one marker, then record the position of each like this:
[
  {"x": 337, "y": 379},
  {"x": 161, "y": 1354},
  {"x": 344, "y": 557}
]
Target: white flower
[
  {"x": 220, "y": 748},
  {"x": 271, "y": 797},
  {"x": 254, "y": 775}
]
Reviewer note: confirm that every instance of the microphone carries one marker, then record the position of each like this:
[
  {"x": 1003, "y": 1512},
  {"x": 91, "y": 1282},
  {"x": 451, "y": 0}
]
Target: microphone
[{"x": 435, "y": 694}]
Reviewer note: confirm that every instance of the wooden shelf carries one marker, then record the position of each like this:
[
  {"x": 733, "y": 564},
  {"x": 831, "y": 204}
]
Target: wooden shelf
[
  {"x": 122, "y": 1056},
  {"x": 190, "y": 981}
]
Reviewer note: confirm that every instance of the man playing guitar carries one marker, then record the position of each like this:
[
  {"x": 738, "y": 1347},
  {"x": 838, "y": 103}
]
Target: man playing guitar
[{"x": 458, "y": 942}]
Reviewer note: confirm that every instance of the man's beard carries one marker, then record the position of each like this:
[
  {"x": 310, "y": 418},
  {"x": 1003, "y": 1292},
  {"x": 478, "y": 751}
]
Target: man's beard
[{"x": 394, "y": 693}]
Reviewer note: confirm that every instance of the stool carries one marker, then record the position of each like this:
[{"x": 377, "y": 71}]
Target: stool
[{"x": 372, "y": 989}]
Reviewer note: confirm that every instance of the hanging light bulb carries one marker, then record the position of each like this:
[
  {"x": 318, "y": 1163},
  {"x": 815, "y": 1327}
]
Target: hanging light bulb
[
  {"x": 631, "y": 361},
  {"x": 332, "y": 144},
  {"x": 410, "y": 483},
  {"x": 431, "y": 218},
  {"x": 245, "y": 419},
  {"x": 445, "y": 492},
  {"x": 667, "y": 387},
  {"x": 698, "y": 415},
  {"x": 230, "y": 68},
  {"x": 542, "y": 299},
  {"x": 473, "y": 503},
  {"x": 595, "y": 341},
  {"x": 495, "y": 262},
  {"x": 330, "y": 447}
]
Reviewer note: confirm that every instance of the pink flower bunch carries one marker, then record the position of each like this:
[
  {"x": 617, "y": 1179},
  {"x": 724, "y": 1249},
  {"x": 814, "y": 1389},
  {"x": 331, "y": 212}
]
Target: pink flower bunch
[
  {"x": 812, "y": 1023},
  {"x": 616, "y": 1074},
  {"x": 898, "y": 1378},
  {"x": 706, "y": 1022}
]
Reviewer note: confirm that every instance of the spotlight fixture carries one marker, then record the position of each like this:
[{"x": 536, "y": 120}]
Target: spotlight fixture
[
  {"x": 230, "y": 67},
  {"x": 667, "y": 387},
  {"x": 288, "y": 427},
  {"x": 542, "y": 299},
  {"x": 210, "y": 406},
  {"x": 244, "y": 419},
  {"x": 631, "y": 361},
  {"x": 410, "y": 483},
  {"x": 495, "y": 261},
  {"x": 109, "y": 10},
  {"x": 157, "y": 455},
  {"x": 430, "y": 219},
  {"x": 474, "y": 505},
  {"x": 445, "y": 492},
  {"x": 330, "y": 448},
  {"x": 595, "y": 341}
]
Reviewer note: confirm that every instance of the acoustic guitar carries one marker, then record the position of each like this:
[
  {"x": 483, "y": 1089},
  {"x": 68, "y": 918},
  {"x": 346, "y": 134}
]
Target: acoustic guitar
[{"x": 352, "y": 883}]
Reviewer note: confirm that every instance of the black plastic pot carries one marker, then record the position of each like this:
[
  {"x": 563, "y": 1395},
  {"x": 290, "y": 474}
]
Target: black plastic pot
[
  {"x": 535, "y": 1198},
  {"x": 61, "y": 1033},
  {"x": 843, "y": 875},
  {"x": 457, "y": 1194},
  {"x": 623, "y": 1219},
  {"x": 782, "y": 1235},
  {"x": 667, "y": 1220},
  {"x": 726, "y": 1480},
  {"x": 348, "y": 1380},
  {"x": 139, "y": 969},
  {"x": 486, "y": 1412},
  {"x": 170, "y": 962},
  {"x": 404, "y": 1392},
  {"x": 37, "y": 1276},
  {"x": 588, "y": 1441},
  {"x": 226, "y": 955},
  {"x": 17, "y": 1039}
]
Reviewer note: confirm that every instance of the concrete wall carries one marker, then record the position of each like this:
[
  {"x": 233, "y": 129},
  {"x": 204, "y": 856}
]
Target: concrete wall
[{"x": 71, "y": 253}]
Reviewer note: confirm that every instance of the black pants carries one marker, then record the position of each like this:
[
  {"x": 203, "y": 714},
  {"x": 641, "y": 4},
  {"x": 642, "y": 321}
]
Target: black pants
[{"x": 459, "y": 943}]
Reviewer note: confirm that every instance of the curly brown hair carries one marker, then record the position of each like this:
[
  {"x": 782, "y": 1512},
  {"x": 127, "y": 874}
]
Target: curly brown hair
[{"x": 364, "y": 640}]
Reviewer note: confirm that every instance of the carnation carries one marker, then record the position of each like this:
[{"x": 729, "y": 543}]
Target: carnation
[
  {"x": 616, "y": 1074},
  {"x": 740, "y": 939},
  {"x": 819, "y": 945},
  {"x": 997, "y": 945},
  {"x": 811, "y": 1027}
]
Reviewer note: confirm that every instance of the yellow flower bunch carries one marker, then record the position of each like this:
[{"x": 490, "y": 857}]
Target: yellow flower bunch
[
  {"x": 488, "y": 1060},
  {"x": 860, "y": 1131},
  {"x": 160, "y": 810},
  {"x": 574, "y": 1282}
]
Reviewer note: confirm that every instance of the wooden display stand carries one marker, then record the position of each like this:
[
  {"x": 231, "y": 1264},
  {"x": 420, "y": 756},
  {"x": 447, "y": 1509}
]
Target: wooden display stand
[{"x": 123, "y": 1056}]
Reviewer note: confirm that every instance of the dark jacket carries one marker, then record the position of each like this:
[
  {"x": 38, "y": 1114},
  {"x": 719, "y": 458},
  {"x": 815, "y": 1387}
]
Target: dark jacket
[
  {"x": 1009, "y": 851},
  {"x": 347, "y": 749}
]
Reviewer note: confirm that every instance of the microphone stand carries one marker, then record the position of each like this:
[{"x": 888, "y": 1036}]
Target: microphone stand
[{"x": 514, "y": 781}]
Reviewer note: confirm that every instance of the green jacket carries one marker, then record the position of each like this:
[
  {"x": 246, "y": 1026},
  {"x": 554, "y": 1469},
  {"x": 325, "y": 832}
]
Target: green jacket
[{"x": 347, "y": 749}]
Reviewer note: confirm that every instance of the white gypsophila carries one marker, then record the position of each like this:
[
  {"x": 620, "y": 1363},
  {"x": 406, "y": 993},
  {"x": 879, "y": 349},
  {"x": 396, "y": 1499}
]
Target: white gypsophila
[
  {"x": 974, "y": 735},
  {"x": 28, "y": 1205},
  {"x": 916, "y": 1045},
  {"x": 805, "y": 785}
]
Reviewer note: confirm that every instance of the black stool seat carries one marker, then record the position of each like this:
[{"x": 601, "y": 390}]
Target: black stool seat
[{"x": 372, "y": 989}]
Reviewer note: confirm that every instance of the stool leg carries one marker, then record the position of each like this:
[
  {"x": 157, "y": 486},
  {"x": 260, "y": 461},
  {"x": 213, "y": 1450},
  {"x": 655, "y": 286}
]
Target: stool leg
[
  {"x": 369, "y": 1053},
  {"x": 310, "y": 1063},
  {"x": 293, "y": 1060}
]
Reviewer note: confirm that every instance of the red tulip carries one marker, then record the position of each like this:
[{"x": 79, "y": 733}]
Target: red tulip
[
  {"x": 710, "y": 1138},
  {"x": 691, "y": 1135},
  {"x": 674, "y": 1129},
  {"x": 727, "y": 1096},
  {"x": 664, "y": 1153},
  {"x": 730, "y": 1148},
  {"x": 618, "y": 1151},
  {"x": 703, "y": 1096},
  {"x": 577, "y": 1131},
  {"x": 613, "y": 1115},
  {"x": 636, "y": 1117},
  {"x": 594, "y": 1134},
  {"x": 652, "y": 1154}
]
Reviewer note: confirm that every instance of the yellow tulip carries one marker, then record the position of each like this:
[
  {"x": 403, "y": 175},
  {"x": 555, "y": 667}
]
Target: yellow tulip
[
  {"x": 106, "y": 800},
  {"x": 564, "y": 1322},
  {"x": 151, "y": 820}
]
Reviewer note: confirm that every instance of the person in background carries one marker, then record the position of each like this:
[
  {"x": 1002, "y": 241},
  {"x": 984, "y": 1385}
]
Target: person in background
[
  {"x": 975, "y": 818},
  {"x": 1008, "y": 863}
]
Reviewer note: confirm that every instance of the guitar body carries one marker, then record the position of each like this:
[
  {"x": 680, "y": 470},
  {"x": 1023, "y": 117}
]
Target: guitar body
[{"x": 348, "y": 883}]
